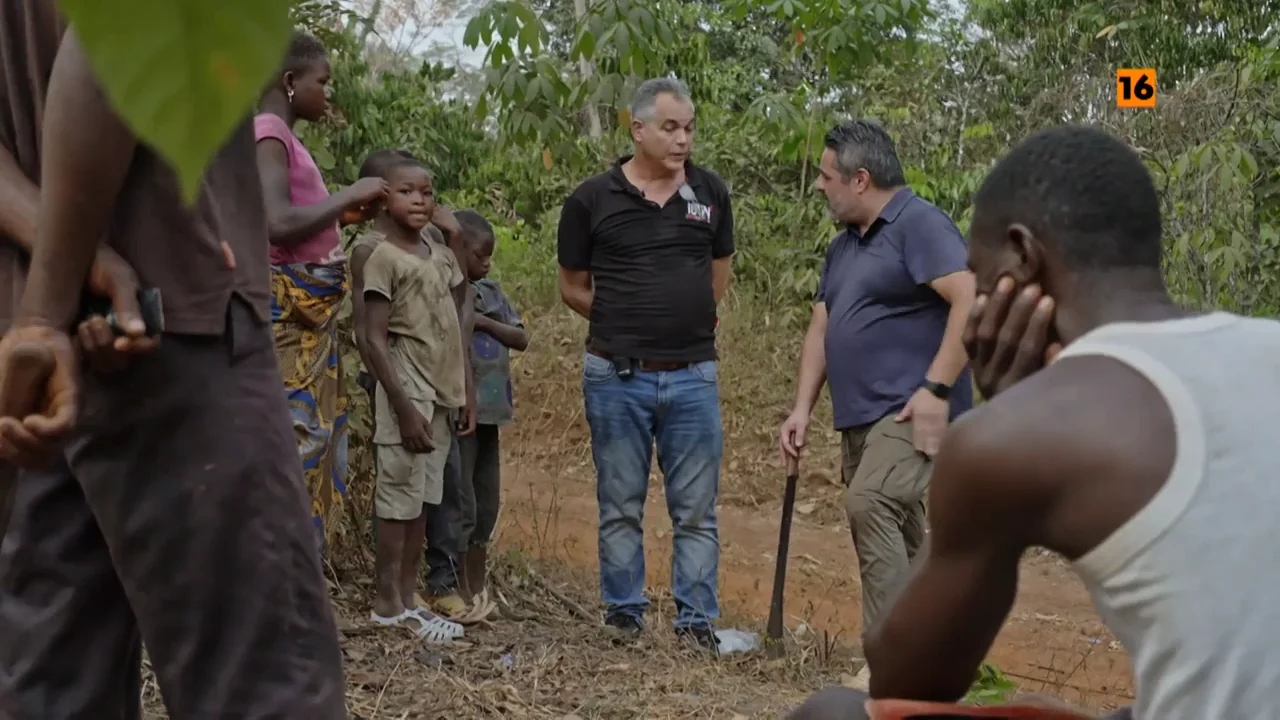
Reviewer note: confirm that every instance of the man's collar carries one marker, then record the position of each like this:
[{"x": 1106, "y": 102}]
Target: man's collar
[
  {"x": 889, "y": 213},
  {"x": 619, "y": 181},
  {"x": 893, "y": 208}
]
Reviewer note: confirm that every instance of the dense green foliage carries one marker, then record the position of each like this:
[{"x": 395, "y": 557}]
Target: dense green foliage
[
  {"x": 769, "y": 77},
  {"x": 956, "y": 83}
]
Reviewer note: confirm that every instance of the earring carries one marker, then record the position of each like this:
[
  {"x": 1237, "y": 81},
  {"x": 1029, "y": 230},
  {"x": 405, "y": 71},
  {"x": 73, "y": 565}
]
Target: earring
[{"x": 289, "y": 93}]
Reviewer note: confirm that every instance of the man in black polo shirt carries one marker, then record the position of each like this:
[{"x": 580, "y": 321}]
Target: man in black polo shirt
[{"x": 644, "y": 255}]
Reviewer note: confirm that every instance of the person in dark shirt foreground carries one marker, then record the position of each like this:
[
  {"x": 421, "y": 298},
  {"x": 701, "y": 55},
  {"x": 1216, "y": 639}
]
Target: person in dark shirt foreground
[{"x": 180, "y": 520}]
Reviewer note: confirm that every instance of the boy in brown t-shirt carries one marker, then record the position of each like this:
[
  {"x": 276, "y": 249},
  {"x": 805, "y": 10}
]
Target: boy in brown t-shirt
[{"x": 414, "y": 343}]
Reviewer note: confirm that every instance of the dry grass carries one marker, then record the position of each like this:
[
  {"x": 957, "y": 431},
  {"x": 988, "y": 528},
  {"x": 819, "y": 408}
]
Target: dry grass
[{"x": 547, "y": 657}]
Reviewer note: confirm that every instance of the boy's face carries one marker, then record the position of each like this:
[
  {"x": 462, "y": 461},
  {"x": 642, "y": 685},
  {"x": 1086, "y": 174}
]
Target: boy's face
[
  {"x": 412, "y": 199},
  {"x": 479, "y": 256}
]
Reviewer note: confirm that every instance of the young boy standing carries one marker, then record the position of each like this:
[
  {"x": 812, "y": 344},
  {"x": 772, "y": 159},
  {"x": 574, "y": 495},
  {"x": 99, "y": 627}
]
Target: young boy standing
[
  {"x": 443, "y": 520},
  {"x": 497, "y": 331},
  {"x": 414, "y": 344}
]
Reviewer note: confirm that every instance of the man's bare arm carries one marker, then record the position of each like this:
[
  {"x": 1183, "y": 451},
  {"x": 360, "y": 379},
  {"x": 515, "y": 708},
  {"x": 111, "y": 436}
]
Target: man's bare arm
[
  {"x": 934, "y": 637},
  {"x": 721, "y": 269},
  {"x": 577, "y": 290},
  {"x": 87, "y": 154},
  {"x": 813, "y": 360},
  {"x": 958, "y": 290},
  {"x": 19, "y": 202}
]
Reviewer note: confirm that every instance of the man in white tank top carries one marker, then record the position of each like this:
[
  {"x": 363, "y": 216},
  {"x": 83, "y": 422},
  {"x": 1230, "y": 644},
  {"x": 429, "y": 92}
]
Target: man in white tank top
[{"x": 1143, "y": 453}]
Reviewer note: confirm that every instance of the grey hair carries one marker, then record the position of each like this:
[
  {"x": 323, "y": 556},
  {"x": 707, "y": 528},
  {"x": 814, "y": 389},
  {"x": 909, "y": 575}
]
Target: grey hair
[
  {"x": 864, "y": 145},
  {"x": 647, "y": 95}
]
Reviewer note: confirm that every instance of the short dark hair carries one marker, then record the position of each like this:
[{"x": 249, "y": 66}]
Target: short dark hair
[
  {"x": 864, "y": 144},
  {"x": 1083, "y": 190},
  {"x": 474, "y": 226},
  {"x": 304, "y": 49},
  {"x": 381, "y": 162}
]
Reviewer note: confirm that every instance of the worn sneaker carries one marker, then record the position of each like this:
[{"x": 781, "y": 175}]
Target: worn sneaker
[
  {"x": 703, "y": 637},
  {"x": 624, "y": 628},
  {"x": 451, "y": 605}
]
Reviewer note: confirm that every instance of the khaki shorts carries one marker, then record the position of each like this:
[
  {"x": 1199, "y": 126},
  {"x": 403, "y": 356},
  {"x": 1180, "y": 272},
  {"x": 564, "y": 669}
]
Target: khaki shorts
[{"x": 405, "y": 481}]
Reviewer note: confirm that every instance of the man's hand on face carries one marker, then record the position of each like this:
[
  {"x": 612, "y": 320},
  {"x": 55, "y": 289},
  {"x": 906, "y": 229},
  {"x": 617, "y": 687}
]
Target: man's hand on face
[
  {"x": 39, "y": 394},
  {"x": 1007, "y": 336},
  {"x": 929, "y": 416}
]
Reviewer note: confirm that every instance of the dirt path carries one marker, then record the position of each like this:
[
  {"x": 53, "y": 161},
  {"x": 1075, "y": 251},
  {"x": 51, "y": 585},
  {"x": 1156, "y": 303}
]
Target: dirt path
[{"x": 1053, "y": 641}]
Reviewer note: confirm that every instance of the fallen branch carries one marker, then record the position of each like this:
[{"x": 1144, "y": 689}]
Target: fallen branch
[
  {"x": 565, "y": 600},
  {"x": 500, "y": 584}
]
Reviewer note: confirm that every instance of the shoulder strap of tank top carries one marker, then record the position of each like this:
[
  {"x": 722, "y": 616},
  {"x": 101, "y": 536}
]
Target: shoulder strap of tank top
[{"x": 1171, "y": 501}]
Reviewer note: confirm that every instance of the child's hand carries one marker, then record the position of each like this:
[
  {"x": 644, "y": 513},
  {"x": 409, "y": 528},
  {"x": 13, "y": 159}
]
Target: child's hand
[
  {"x": 443, "y": 218},
  {"x": 467, "y": 419},
  {"x": 415, "y": 432}
]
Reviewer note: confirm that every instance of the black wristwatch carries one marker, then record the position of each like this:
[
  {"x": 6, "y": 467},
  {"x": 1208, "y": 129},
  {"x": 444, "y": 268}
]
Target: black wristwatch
[{"x": 940, "y": 391}]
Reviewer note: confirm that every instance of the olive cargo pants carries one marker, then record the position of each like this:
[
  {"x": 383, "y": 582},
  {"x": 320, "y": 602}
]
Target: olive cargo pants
[{"x": 887, "y": 480}]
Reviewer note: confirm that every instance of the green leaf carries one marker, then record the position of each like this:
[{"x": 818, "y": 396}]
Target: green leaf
[
  {"x": 1248, "y": 165},
  {"x": 183, "y": 74},
  {"x": 324, "y": 159},
  {"x": 471, "y": 36}
]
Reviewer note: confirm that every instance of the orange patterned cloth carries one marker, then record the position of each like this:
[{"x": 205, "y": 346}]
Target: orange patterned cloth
[{"x": 306, "y": 298}]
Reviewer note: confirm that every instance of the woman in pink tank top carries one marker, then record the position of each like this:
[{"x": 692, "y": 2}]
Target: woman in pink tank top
[{"x": 308, "y": 278}]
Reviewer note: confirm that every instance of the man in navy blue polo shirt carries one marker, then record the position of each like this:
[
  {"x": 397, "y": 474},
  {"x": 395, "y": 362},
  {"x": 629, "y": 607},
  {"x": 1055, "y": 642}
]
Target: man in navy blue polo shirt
[
  {"x": 644, "y": 254},
  {"x": 892, "y": 303}
]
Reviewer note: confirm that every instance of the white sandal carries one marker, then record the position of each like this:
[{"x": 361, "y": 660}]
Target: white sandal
[
  {"x": 387, "y": 621},
  {"x": 433, "y": 628}
]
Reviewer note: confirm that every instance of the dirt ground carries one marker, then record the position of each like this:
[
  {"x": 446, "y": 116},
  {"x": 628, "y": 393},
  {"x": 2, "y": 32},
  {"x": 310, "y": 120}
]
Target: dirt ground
[{"x": 1053, "y": 642}]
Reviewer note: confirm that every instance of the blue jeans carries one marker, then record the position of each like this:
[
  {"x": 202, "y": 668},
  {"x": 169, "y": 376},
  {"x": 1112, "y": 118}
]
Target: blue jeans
[{"x": 680, "y": 410}]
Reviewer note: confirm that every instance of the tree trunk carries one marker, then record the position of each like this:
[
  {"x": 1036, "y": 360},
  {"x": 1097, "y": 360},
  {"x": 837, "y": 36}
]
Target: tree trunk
[
  {"x": 369, "y": 22},
  {"x": 586, "y": 70}
]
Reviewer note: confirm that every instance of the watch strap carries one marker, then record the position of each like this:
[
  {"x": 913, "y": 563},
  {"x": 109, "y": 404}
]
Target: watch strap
[{"x": 939, "y": 390}]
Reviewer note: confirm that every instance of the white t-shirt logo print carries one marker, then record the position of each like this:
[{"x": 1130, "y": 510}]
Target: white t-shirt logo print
[{"x": 694, "y": 210}]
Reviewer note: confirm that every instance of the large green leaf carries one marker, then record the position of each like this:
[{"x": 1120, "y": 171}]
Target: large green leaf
[{"x": 182, "y": 73}]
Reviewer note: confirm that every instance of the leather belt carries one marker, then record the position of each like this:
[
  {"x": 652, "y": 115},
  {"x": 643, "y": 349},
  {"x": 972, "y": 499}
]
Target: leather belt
[{"x": 644, "y": 365}]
